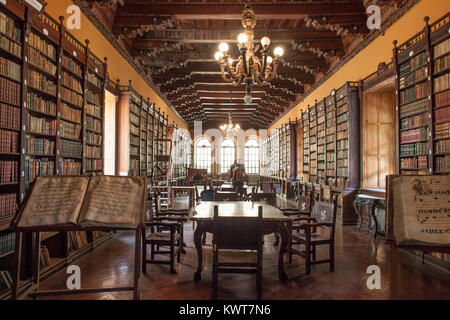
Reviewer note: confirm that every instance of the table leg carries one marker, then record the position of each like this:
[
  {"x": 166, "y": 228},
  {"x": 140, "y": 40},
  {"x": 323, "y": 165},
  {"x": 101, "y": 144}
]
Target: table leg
[
  {"x": 374, "y": 217},
  {"x": 283, "y": 246},
  {"x": 198, "y": 245}
]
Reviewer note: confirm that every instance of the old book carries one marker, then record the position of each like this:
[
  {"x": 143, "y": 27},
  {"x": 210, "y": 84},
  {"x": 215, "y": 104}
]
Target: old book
[
  {"x": 417, "y": 210},
  {"x": 100, "y": 201}
]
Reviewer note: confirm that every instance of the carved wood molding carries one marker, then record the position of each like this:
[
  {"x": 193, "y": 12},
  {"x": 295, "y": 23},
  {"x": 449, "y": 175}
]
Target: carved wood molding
[{"x": 125, "y": 54}]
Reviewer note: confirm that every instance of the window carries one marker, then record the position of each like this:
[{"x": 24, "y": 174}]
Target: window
[
  {"x": 227, "y": 155},
  {"x": 203, "y": 154},
  {"x": 252, "y": 156}
]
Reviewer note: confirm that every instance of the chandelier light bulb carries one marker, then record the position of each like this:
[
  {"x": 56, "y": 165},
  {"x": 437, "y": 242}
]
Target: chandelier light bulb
[
  {"x": 242, "y": 38},
  {"x": 269, "y": 59},
  {"x": 248, "y": 99},
  {"x": 219, "y": 55},
  {"x": 230, "y": 61},
  {"x": 278, "y": 51},
  {"x": 265, "y": 41},
  {"x": 223, "y": 47}
]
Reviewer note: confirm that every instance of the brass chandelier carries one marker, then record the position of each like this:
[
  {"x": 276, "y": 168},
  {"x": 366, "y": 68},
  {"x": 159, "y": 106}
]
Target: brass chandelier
[
  {"x": 249, "y": 68},
  {"x": 229, "y": 129}
]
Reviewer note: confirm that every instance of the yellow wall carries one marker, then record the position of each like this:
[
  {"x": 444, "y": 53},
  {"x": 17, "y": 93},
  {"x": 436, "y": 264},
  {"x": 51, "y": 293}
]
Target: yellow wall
[
  {"x": 380, "y": 50},
  {"x": 118, "y": 67}
]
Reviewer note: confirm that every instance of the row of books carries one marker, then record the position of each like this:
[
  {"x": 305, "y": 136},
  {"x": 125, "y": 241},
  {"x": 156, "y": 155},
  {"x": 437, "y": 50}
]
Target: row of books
[
  {"x": 7, "y": 205},
  {"x": 72, "y": 97},
  {"x": 134, "y": 130},
  {"x": 38, "y": 167},
  {"x": 10, "y": 46},
  {"x": 419, "y": 148},
  {"x": 342, "y": 171},
  {"x": 442, "y": 131},
  {"x": 71, "y": 65},
  {"x": 8, "y": 171},
  {"x": 93, "y": 124},
  {"x": 94, "y": 110},
  {"x": 71, "y": 148},
  {"x": 442, "y": 146},
  {"x": 94, "y": 164},
  {"x": 41, "y": 125},
  {"x": 413, "y": 77},
  {"x": 93, "y": 97},
  {"x": 40, "y": 61},
  {"x": 40, "y": 82},
  {"x": 134, "y": 119},
  {"x": 8, "y": 28},
  {"x": 71, "y": 82},
  {"x": 39, "y": 146},
  {"x": 9, "y": 141},
  {"x": 7, "y": 240},
  {"x": 442, "y": 64},
  {"x": 69, "y": 167},
  {"x": 414, "y": 63},
  {"x": 10, "y": 69},
  {"x": 40, "y": 104},
  {"x": 442, "y": 99},
  {"x": 93, "y": 152},
  {"x": 10, "y": 92},
  {"x": 342, "y": 154},
  {"x": 442, "y": 48},
  {"x": 42, "y": 45},
  {"x": 78, "y": 239},
  {"x": 442, "y": 83},
  {"x": 342, "y": 144},
  {"x": 9, "y": 117},
  {"x": 442, "y": 115},
  {"x": 134, "y": 107},
  {"x": 69, "y": 130},
  {"x": 420, "y": 162},
  {"x": 412, "y": 122},
  {"x": 94, "y": 138},
  {"x": 415, "y": 135},
  {"x": 419, "y": 91},
  {"x": 44, "y": 257},
  {"x": 443, "y": 164},
  {"x": 414, "y": 108},
  {"x": 69, "y": 113},
  {"x": 6, "y": 280},
  {"x": 96, "y": 81}
]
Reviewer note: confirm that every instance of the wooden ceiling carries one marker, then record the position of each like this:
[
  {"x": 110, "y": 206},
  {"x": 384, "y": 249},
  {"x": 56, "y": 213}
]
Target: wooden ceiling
[{"x": 175, "y": 41}]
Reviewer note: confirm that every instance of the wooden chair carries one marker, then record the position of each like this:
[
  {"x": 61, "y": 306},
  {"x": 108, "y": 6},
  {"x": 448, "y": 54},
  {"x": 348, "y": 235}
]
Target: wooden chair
[
  {"x": 238, "y": 234},
  {"x": 323, "y": 218},
  {"x": 207, "y": 195},
  {"x": 270, "y": 198},
  {"x": 162, "y": 231},
  {"x": 226, "y": 196}
]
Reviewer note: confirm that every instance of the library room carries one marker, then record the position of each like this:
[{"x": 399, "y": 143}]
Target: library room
[{"x": 205, "y": 151}]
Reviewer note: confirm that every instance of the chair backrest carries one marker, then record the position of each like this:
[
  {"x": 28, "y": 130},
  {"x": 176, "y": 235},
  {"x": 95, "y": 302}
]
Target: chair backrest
[
  {"x": 226, "y": 196},
  {"x": 326, "y": 194},
  {"x": 207, "y": 195},
  {"x": 238, "y": 233},
  {"x": 325, "y": 212},
  {"x": 266, "y": 187},
  {"x": 304, "y": 204},
  {"x": 197, "y": 197},
  {"x": 277, "y": 188}
]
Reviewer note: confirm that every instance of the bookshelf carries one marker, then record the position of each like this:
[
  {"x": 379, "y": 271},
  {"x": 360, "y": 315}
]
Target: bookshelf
[
  {"x": 181, "y": 154},
  {"x": 46, "y": 119},
  {"x": 330, "y": 133},
  {"x": 150, "y": 134},
  {"x": 422, "y": 64},
  {"x": 161, "y": 148}
]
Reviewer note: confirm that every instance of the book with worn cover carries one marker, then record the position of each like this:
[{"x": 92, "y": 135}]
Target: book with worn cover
[
  {"x": 98, "y": 201},
  {"x": 418, "y": 210}
]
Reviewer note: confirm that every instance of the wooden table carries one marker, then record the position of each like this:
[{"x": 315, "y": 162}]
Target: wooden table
[
  {"x": 189, "y": 189},
  {"x": 375, "y": 223},
  {"x": 273, "y": 222}
]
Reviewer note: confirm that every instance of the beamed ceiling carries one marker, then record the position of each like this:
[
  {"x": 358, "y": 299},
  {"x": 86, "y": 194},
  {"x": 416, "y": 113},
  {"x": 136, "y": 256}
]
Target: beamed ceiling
[{"x": 174, "y": 42}]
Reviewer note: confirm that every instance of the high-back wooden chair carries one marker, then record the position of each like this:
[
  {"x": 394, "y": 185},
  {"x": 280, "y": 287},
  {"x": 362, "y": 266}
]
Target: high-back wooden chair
[
  {"x": 237, "y": 234},
  {"x": 323, "y": 217}
]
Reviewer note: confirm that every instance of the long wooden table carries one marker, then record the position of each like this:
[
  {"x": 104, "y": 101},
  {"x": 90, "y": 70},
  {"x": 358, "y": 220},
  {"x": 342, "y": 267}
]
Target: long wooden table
[{"x": 273, "y": 222}]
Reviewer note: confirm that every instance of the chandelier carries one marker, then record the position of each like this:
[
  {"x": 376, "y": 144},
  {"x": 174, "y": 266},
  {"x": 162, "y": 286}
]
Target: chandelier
[
  {"x": 249, "y": 68},
  {"x": 229, "y": 129}
]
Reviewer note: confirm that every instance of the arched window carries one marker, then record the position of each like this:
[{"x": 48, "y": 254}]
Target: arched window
[
  {"x": 227, "y": 155},
  {"x": 252, "y": 156},
  {"x": 203, "y": 154}
]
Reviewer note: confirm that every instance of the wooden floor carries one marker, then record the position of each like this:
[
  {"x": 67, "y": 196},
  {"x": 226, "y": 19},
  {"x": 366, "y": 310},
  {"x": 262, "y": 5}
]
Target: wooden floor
[{"x": 112, "y": 265}]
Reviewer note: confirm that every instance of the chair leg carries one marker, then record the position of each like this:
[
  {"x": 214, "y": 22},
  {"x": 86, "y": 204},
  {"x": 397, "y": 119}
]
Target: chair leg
[
  {"x": 215, "y": 277},
  {"x": 313, "y": 253},
  {"x": 172, "y": 258},
  {"x": 308, "y": 256},
  {"x": 289, "y": 250},
  {"x": 152, "y": 253},
  {"x": 331, "y": 257},
  {"x": 144, "y": 254},
  {"x": 204, "y": 238},
  {"x": 180, "y": 248}
]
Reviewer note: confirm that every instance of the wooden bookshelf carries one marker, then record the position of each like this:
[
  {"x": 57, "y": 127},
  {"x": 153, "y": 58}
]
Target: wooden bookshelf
[
  {"x": 422, "y": 64},
  {"x": 181, "y": 154},
  {"x": 330, "y": 133},
  {"x": 55, "y": 79},
  {"x": 150, "y": 135},
  {"x": 161, "y": 145}
]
